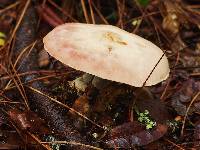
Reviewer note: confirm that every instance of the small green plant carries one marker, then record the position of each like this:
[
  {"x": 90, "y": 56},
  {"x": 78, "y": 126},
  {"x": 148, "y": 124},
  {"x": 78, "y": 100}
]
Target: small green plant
[
  {"x": 144, "y": 118},
  {"x": 174, "y": 125}
]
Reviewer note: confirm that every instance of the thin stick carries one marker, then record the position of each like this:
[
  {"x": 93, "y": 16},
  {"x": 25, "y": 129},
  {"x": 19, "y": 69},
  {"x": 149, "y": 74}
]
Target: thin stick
[
  {"x": 9, "y": 102},
  {"x": 154, "y": 68},
  {"x": 31, "y": 46},
  {"x": 73, "y": 143},
  {"x": 85, "y": 11},
  {"x": 91, "y": 12},
  {"x": 121, "y": 9},
  {"x": 64, "y": 105},
  {"x": 142, "y": 17},
  {"x": 45, "y": 72},
  {"x": 38, "y": 140},
  {"x": 22, "y": 90},
  {"x": 168, "y": 82},
  {"x": 37, "y": 79},
  {"x": 20, "y": 19},
  {"x": 184, "y": 120},
  {"x": 17, "y": 85},
  {"x": 193, "y": 6},
  {"x": 99, "y": 13},
  {"x": 10, "y": 7},
  {"x": 60, "y": 9},
  {"x": 174, "y": 144},
  {"x": 195, "y": 74}
]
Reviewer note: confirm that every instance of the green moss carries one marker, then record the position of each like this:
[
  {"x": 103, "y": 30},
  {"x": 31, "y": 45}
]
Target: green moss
[{"x": 144, "y": 118}]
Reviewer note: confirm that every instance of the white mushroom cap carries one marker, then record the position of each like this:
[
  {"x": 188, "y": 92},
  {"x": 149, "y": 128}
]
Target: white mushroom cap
[{"x": 107, "y": 52}]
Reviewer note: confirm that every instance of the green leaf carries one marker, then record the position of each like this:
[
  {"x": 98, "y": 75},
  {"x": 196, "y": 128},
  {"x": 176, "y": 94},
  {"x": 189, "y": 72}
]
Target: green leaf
[
  {"x": 143, "y": 2},
  {"x": 2, "y": 42},
  {"x": 148, "y": 126}
]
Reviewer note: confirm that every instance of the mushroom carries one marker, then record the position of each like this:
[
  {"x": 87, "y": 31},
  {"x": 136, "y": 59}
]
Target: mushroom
[{"x": 108, "y": 52}]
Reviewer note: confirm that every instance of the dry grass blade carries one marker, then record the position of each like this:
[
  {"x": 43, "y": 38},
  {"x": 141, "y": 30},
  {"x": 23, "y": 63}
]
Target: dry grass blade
[
  {"x": 138, "y": 25},
  {"x": 73, "y": 143},
  {"x": 99, "y": 13},
  {"x": 195, "y": 74},
  {"x": 186, "y": 113},
  {"x": 49, "y": 15},
  {"x": 45, "y": 72},
  {"x": 61, "y": 10},
  {"x": 9, "y": 102},
  {"x": 3, "y": 96},
  {"x": 44, "y": 2},
  {"x": 91, "y": 12},
  {"x": 85, "y": 11},
  {"x": 47, "y": 77},
  {"x": 38, "y": 141},
  {"x": 172, "y": 143},
  {"x": 37, "y": 79},
  {"x": 193, "y": 6},
  {"x": 120, "y": 7},
  {"x": 18, "y": 131},
  {"x": 160, "y": 30},
  {"x": 19, "y": 21},
  {"x": 31, "y": 46},
  {"x": 64, "y": 105},
  {"x": 19, "y": 86},
  {"x": 154, "y": 68},
  {"x": 142, "y": 17},
  {"x": 168, "y": 82},
  {"x": 22, "y": 91},
  {"x": 158, "y": 35},
  {"x": 10, "y": 7}
]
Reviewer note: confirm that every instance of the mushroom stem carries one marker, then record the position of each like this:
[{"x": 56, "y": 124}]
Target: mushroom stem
[{"x": 86, "y": 79}]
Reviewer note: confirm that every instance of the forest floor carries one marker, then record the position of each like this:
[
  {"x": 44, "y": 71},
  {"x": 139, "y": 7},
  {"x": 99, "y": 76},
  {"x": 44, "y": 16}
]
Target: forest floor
[{"x": 40, "y": 108}]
